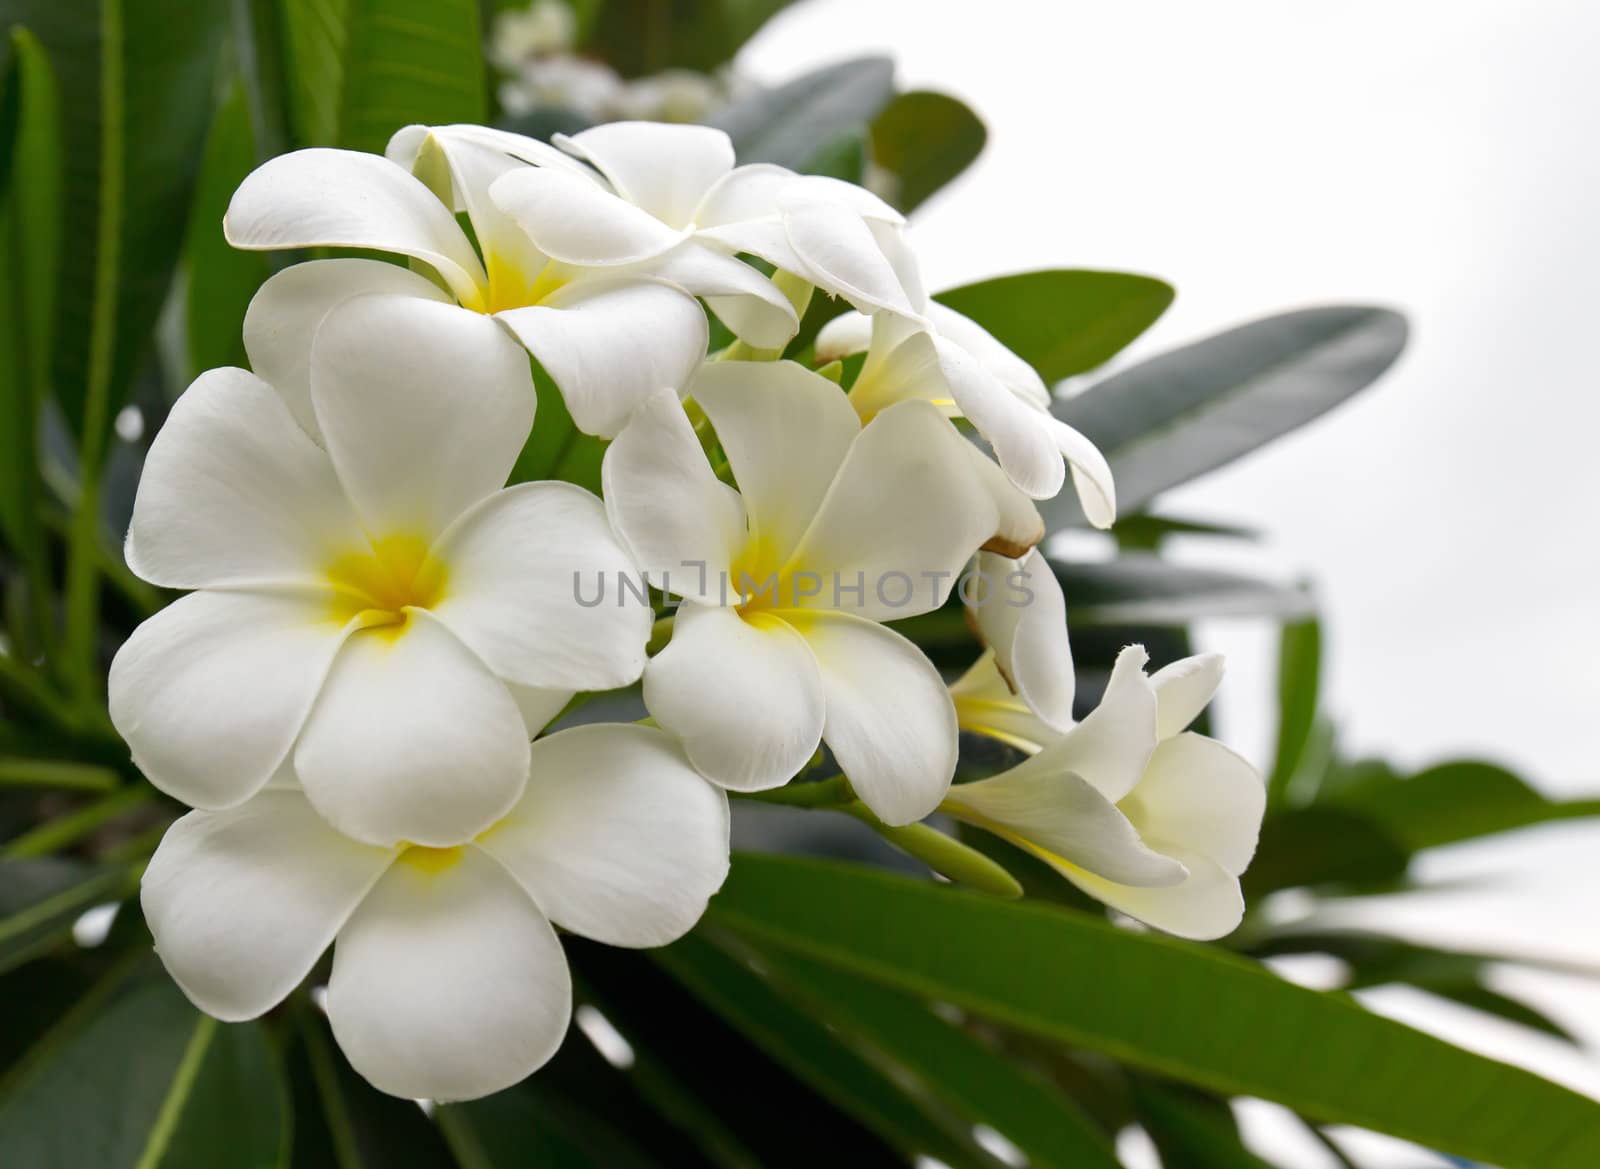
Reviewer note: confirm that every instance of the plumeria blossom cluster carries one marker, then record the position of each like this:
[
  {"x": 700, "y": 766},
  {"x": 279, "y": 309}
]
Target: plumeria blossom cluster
[{"x": 356, "y": 694}]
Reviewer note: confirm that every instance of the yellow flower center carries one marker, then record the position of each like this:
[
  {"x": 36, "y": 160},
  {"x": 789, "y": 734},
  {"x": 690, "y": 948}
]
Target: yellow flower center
[
  {"x": 430, "y": 861},
  {"x": 380, "y": 583}
]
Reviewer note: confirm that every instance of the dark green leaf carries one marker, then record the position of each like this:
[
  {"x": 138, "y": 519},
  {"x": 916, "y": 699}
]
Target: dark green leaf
[
  {"x": 1190, "y": 411},
  {"x": 41, "y": 898},
  {"x": 1192, "y": 1130},
  {"x": 924, "y": 140},
  {"x": 1141, "y": 589},
  {"x": 637, "y": 37},
  {"x": 1491, "y": 1002},
  {"x": 791, "y": 124},
  {"x": 556, "y": 448},
  {"x": 956, "y": 1069},
  {"x": 1456, "y": 801},
  {"x": 1324, "y": 846},
  {"x": 1299, "y": 675},
  {"x": 1063, "y": 321},
  {"x": 358, "y": 70},
  {"x": 1143, "y": 532},
  {"x": 221, "y": 279},
  {"x": 1184, "y": 1011},
  {"x": 169, "y": 1088}
]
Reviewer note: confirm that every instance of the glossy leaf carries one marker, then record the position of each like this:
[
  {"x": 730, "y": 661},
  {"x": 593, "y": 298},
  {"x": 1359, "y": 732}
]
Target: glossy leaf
[
  {"x": 1188, "y": 1012},
  {"x": 1142, "y": 589},
  {"x": 221, "y": 279},
  {"x": 170, "y": 1088},
  {"x": 358, "y": 70},
  {"x": 923, "y": 140},
  {"x": 791, "y": 124},
  {"x": 1177, "y": 416},
  {"x": 1064, "y": 321},
  {"x": 1299, "y": 676}
]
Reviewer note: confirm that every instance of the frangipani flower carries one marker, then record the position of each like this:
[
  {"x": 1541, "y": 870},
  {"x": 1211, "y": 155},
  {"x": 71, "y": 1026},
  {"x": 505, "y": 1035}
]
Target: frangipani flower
[
  {"x": 374, "y": 614},
  {"x": 938, "y": 355},
  {"x": 607, "y": 339},
  {"x": 448, "y": 981},
  {"x": 1151, "y": 819},
  {"x": 674, "y": 204},
  {"x": 835, "y": 527}
]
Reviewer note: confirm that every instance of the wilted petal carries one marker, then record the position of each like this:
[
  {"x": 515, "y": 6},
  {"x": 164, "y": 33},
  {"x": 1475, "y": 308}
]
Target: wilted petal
[
  {"x": 668, "y": 508},
  {"x": 743, "y": 694},
  {"x": 889, "y": 721},
  {"x": 412, "y": 739},
  {"x": 1022, "y": 616},
  {"x": 347, "y": 199},
  {"x": 284, "y": 314},
  {"x": 610, "y": 345},
  {"x": 242, "y": 903},
  {"x": 235, "y": 493},
  {"x": 448, "y": 982},
  {"x": 423, "y": 407},
  {"x": 618, "y": 838},
  {"x": 520, "y": 570},
  {"x": 211, "y": 692},
  {"x": 665, "y": 169}
]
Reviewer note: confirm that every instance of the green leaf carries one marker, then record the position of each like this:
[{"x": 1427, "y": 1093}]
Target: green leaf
[
  {"x": 1187, "y": 1012},
  {"x": 1179, "y": 415},
  {"x": 791, "y": 124},
  {"x": 170, "y": 1088},
  {"x": 1063, "y": 321},
  {"x": 1145, "y": 532},
  {"x": 1481, "y": 998},
  {"x": 1190, "y": 1129},
  {"x": 1324, "y": 846},
  {"x": 1142, "y": 589},
  {"x": 958, "y": 1070},
  {"x": 42, "y": 897},
  {"x": 556, "y": 448},
  {"x": 1299, "y": 676},
  {"x": 924, "y": 140},
  {"x": 358, "y": 70},
  {"x": 137, "y": 83},
  {"x": 799, "y": 1041},
  {"x": 636, "y": 37},
  {"x": 221, "y": 279},
  {"x": 1457, "y": 801}
]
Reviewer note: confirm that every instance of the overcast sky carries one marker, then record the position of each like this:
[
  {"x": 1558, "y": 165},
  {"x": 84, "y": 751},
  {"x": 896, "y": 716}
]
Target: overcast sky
[{"x": 1441, "y": 158}]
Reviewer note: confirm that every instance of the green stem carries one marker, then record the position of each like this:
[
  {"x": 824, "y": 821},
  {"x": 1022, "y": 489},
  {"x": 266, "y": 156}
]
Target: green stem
[
  {"x": 60, "y": 774},
  {"x": 71, "y": 828},
  {"x": 943, "y": 854},
  {"x": 83, "y": 578},
  {"x": 824, "y": 793}
]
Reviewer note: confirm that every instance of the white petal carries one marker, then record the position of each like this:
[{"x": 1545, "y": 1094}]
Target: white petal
[
  {"x": 847, "y": 334},
  {"x": 1059, "y": 817},
  {"x": 986, "y": 706},
  {"x": 1183, "y": 689},
  {"x": 1206, "y": 905},
  {"x": 1022, "y": 435},
  {"x": 235, "y": 493},
  {"x": 1091, "y": 474},
  {"x": 1022, "y": 616},
  {"x": 841, "y": 256},
  {"x": 668, "y": 508},
  {"x": 928, "y": 513},
  {"x": 243, "y": 902},
  {"x": 347, "y": 199},
  {"x": 448, "y": 983},
  {"x": 618, "y": 838},
  {"x": 284, "y": 314},
  {"x": 1020, "y": 526},
  {"x": 666, "y": 169},
  {"x": 538, "y": 706},
  {"x": 786, "y": 431},
  {"x": 890, "y": 722},
  {"x": 752, "y": 307},
  {"x": 814, "y": 188},
  {"x": 576, "y": 222},
  {"x": 610, "y": 345},
  {"x": 521, "y": 569},
  {"x": 412, "y": 739},
  {"x": 743, "y": 695},
  {"x": 1112, "y": 746},
  {"x": 1197, "y": 796},
  {"x": 423, "y": 406},
  {"x": 744, "y": 193},
  {"x": 765, "y": 238},
  {"x": 407, "y": 141},
  {"x": 211, "y": 691},
  {"x": 1012, "y": 372}
]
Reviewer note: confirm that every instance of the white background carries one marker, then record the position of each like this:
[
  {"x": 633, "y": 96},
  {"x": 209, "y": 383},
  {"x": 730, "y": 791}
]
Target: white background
[{"x": 1442, "y": 158}]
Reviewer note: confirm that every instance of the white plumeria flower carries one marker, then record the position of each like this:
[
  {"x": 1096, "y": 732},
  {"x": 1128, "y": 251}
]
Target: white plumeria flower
[
  {"x": 777, "y": 645},
  {"x": 448, "y": 981},
  {"x": 1153, "y": 820},
  {"x": 676, "y": 205},
  {"x": 938, "y": 355},
  {"x": 375, "y": 614},
  {"x": 607, "y": 339}
]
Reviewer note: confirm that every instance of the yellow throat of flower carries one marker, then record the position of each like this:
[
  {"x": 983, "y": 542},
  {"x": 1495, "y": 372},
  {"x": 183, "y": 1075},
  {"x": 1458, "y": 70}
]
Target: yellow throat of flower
[{"x": 380, "y": 583}]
